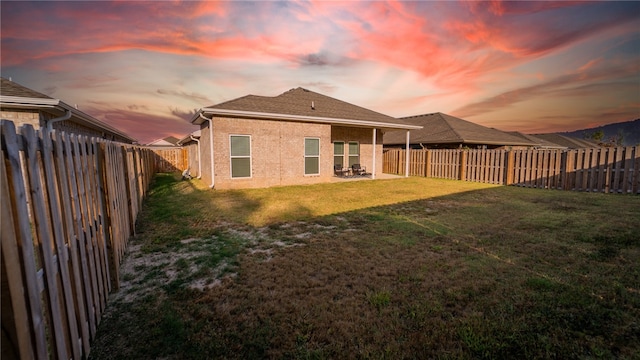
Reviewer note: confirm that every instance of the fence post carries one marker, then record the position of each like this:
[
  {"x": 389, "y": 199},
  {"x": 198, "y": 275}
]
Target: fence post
[
  {"x": 427, "y": 172},
  {"x": 509, "y": 167},
  {"x": 463, "y": 165}
]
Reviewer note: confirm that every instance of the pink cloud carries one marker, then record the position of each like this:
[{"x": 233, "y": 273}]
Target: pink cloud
[{"x": 144, "y": 126}]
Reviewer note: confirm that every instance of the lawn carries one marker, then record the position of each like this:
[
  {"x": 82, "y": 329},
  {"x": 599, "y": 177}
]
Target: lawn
[{"x": 408, "y": 268}]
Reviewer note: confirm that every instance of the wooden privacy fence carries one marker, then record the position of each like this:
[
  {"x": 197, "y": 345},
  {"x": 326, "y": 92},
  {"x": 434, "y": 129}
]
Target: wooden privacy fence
[
  {"x": 69, "y": 205},
  {"x": 609, "y": 170},
  {"x": 171, "y": 159}
]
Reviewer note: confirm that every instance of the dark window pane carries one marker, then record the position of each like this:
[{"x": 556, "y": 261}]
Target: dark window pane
[
  {"x": 311, "y": 165},
  {"x": 240, "y": 146},
  {"x": 240, "y": 167},
  {"x": 312, "y": 147},
  {"x": 354, "y": 148}
]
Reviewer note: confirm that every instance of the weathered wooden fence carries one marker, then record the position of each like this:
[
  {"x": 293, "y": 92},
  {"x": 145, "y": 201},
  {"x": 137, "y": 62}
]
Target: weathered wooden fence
[
  {"x": 610, "y": 170},
  {"x": 171, "y": 159},
  {"x": 69, "y": 205}
]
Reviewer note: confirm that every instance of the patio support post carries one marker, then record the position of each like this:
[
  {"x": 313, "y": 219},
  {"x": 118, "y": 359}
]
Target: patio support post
[
  {"x": 373, "y": 170},
  {"x": 406, "y": 160}
]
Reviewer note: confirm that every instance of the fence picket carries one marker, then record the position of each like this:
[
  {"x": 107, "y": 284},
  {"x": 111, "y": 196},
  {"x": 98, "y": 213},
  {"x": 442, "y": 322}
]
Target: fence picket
[
  {"x": 54, "y": 189},
  {"x": 44, "y": 241},
  {"x": 67, "y": 203}
]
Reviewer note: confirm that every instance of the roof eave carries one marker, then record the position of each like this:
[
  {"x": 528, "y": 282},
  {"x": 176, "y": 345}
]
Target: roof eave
[
  {"x": 18, "y": 101},
  {"x": 313, "y": 119},
  {"x": 46, "y": 104}
]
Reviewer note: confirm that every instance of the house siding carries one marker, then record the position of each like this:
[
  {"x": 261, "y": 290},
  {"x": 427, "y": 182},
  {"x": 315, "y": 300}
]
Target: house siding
[
  {"x": 21, "y": 117},
  {"x": 277, "y": 152}
]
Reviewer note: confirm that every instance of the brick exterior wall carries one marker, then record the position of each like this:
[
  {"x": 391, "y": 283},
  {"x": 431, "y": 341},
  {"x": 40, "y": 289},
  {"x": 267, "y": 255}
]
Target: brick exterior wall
[
  {"x": 21, "y": 117},
  {"x": 277, "y": 151}
]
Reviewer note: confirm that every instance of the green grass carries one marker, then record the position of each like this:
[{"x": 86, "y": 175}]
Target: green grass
[{"x": 409, "y": 268}]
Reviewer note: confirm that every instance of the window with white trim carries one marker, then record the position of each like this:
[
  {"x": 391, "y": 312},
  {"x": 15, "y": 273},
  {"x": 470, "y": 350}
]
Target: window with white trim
[
  {"x": 338, "y": 153},
  {"x": 240, "y": 146},
  {"x": 311, "y": 156},
  {"x": 354, "y": 153}
]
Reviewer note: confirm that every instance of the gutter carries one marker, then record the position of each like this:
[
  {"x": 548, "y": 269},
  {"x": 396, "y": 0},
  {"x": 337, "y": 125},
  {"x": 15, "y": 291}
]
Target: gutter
[{"x": 213, "y": 183}]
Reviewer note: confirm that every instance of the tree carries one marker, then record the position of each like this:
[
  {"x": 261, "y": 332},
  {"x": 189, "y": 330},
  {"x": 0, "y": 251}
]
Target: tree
[{"x": 596, "y": 135}]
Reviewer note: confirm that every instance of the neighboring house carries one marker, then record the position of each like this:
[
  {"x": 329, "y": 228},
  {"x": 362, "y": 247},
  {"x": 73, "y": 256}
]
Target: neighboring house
[
  {"x": 442, "y": 131},
  {"x": 540, "y": 142},
  {"x": 568, "y": 142},
  {"x": 294, "y": 138},
  {"x": 191, "y": 142},
  {"x": 26, "y": 106},
  {"x": 170, "y": 141}
]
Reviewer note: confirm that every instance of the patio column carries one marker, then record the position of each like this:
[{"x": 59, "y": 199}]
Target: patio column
[
  {"x": 406, "y": 159},
  {"x": 373, "y": 168}
]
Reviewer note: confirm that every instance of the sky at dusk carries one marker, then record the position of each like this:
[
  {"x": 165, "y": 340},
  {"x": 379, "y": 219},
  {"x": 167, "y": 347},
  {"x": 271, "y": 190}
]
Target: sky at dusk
[{"x": 146, "y": 66}]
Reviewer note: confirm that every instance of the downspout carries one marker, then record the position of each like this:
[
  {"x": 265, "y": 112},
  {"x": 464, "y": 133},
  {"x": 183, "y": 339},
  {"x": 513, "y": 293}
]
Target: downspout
[
  {"x": 373, "y": 171},
  {"x": 64, "y": 117},
  {"x": 213, "y": 183},
  {"x": 199, "y": 162}
]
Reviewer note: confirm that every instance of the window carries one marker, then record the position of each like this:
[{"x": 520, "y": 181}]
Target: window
[
  {"x": 354, "y": 153},
  {"x": 338, "y": 153},
  {"x": 311, "y": 156},
  {"x": 240, "y": 156}
]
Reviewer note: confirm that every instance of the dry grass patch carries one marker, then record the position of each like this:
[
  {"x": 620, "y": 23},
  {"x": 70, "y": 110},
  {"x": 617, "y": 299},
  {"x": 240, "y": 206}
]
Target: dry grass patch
[{"x": 417, "y": 270}]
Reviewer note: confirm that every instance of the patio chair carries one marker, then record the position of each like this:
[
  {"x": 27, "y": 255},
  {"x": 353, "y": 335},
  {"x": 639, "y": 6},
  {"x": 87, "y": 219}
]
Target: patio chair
[
  {"x": 358, "y": 170},
  {"x": 339, "y": 171}
]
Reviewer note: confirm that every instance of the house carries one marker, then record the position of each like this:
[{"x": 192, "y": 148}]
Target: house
[
  {"x": 294, "y": 138},
  {"x": 568, "y": 142},
  {"x": 540, "y": 142},
  {"x": 26, "y": 106},
  {"x": 442, "y": 131},
  {"x": 191, "y": 143},
  {"x": 169, "y": 141}
]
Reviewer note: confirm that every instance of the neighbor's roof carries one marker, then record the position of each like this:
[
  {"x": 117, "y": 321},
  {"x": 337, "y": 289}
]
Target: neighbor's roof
[
  {"x": 569, "y": 142},
  {"x": 439, "y": 128},
  {"x": 540, "y": 142},
  {"x": 14, "y": 95},
  {"x": 10, "y": 88},
  {"x": 302, "y": 105},
  {"x": 168, "y": 141},
  {"x": 189, "y": 138}
]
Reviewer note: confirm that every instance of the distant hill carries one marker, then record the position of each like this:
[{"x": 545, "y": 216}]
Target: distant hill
[{"x": 630, "y": 131}]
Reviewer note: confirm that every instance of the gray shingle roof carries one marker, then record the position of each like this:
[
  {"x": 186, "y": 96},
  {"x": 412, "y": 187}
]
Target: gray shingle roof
[
  {"x": 542, "y": 143},
  {"x": 439, "y": 128},
  {"x": 569, "y": 142},
  {"x": 9, "y": 88},
  {"x": 305, "y": 103}
]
